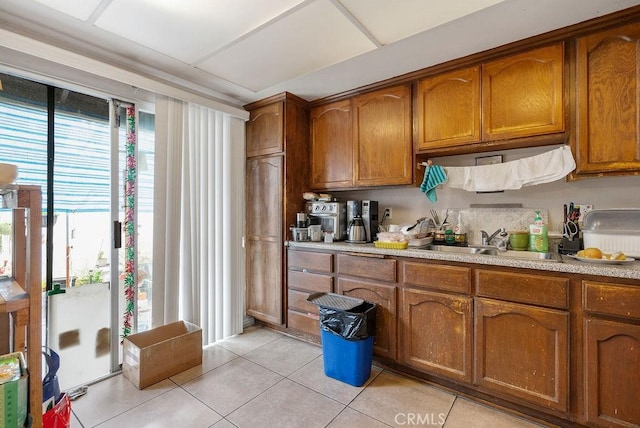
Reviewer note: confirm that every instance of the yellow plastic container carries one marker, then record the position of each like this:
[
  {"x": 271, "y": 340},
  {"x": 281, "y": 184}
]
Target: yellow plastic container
[{"x": 392, "y": 245}]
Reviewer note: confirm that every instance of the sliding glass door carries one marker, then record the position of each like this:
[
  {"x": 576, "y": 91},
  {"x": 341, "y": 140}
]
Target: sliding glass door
[
  {"x": 79, "y": 148},
  {"x": 79, "y": 321}
]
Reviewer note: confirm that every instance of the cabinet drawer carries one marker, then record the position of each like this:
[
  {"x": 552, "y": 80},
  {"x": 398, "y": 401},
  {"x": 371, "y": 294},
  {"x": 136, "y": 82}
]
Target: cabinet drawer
[
  {"x": 318, "y": 262},
  {"x": 612, "y": 299},
  {"x": 376, "y": 268},
  {"x": 298, "y": 301},
  {"x": 449, "y": 278},
  {"x": 524, "y": 288},
  {"x": 308, "y": 281},
  {"x": 303, "y": 322}
]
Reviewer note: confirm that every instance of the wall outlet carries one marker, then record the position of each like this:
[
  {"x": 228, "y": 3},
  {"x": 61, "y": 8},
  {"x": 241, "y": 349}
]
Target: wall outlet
[{"x": 388, "y": 213}]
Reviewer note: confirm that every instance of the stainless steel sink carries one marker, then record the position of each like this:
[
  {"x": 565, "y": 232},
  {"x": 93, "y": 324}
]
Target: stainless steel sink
[
  {"x": 460, "y": 250},
  {"x": 529, "y": 255},
  {"x": 492, "y": 251}
]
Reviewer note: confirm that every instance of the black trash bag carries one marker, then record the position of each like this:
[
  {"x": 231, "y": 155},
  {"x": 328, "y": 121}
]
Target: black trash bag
[{"x": 355, "y": 324}]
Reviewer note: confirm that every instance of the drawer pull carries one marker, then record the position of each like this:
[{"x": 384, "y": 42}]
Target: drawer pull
[{"x": 365, "y": 255}]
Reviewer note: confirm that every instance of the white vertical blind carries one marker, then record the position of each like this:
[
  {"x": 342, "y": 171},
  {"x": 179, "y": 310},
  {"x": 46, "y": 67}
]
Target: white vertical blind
[{"x": 202, "y": 180}]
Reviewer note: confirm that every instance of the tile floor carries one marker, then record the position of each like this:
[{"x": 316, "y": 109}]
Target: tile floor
[{"x": 262, "y": 378}]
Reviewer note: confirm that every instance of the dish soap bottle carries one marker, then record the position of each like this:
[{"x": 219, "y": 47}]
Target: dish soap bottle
[{"x": 538, "y": 238}]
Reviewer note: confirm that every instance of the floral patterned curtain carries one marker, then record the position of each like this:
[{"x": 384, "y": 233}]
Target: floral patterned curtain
[{"x": 130, "y": 222}]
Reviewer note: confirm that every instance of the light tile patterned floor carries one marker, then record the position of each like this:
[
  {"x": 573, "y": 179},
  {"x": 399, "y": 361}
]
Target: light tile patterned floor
[{"x": 262, "y": 378}]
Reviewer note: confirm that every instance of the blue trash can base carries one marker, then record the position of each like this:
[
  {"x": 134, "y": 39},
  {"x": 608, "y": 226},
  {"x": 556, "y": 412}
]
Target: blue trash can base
[{"x": 348, "y": 361}]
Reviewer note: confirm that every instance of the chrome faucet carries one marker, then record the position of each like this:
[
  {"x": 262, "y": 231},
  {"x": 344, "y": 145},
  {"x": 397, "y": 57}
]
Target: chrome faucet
[{"x": 500, "y": 238}]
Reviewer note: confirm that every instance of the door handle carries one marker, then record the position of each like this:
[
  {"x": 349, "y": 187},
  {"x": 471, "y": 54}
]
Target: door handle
[{"x": 117, "y": 234}]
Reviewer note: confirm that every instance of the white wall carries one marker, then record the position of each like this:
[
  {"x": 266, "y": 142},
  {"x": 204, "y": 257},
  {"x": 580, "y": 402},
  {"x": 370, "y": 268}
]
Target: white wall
[{"x": 409, "y": 203}]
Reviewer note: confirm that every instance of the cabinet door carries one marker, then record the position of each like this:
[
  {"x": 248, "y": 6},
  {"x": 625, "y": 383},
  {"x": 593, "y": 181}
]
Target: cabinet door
[
  {"x": 612, "y": 361},
  {"x": 264, "y": 280},
  {"x": 264, "y": 239},
  {"x": 264, "y": 197},
  {"x": 435, "y": 333},
  {"x": 608, "y": 94},
  {"x": 384, "y": 296},
  {"x": 522, "y": 351},
  {"x": 332, "y": 146},
  {"x": 264, "y": 130},
  {"x": 448, "y": 109},
  {"x": 382, "y": 137},
  {"x": 523, "y": 95}
]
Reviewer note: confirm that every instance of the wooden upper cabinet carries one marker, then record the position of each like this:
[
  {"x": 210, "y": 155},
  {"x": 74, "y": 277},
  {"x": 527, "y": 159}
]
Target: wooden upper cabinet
[
  {"x": 382, "y": 137},
  {"x": 608, "y": 94},
  {"x": 332, "y": 146},
  {"x": 264, "y": 130},
  {"x": 523, "y": 94},
  {"x": 448, "y": 109}
]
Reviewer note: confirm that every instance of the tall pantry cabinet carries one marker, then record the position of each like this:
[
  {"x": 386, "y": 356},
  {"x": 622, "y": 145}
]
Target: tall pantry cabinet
[{"x": 277, "y": 137}]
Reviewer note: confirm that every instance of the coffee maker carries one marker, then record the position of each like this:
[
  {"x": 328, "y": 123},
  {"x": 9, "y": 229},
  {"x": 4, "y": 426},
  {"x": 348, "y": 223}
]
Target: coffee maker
[{"x": 368, "y": 211}]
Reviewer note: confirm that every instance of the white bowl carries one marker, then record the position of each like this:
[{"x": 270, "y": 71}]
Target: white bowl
[{"x": 8, "y": 173}]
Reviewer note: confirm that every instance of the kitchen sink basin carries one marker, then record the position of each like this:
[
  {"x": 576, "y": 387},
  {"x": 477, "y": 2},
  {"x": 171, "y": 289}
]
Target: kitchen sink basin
[
  {"x": 528, "y": 255},
  {"x": 459, "y": 250},
  {"x": 492, "y": 251}
]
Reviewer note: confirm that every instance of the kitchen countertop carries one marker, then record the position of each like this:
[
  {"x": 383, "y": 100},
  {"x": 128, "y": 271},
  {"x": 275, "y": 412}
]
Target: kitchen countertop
[{"x": 568, "y": 264}]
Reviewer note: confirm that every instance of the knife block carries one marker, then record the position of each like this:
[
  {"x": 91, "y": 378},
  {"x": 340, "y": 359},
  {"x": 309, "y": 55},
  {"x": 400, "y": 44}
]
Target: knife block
[{"x": 570, "y": 246}]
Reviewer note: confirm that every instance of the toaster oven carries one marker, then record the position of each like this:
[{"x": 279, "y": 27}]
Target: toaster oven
[{"x": 332, "y": 216}]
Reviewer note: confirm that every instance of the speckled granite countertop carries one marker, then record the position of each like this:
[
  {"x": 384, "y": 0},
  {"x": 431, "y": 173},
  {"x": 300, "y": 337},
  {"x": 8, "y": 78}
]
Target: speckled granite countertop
[{"x": 568, "y": 264}]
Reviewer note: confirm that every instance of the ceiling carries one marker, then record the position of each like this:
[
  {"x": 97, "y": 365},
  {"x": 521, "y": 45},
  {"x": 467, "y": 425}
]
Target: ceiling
[{"x": 240, "y": 51}]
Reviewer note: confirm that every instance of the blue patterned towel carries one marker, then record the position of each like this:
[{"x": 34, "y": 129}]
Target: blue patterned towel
[{"x": 434, "y": 175}]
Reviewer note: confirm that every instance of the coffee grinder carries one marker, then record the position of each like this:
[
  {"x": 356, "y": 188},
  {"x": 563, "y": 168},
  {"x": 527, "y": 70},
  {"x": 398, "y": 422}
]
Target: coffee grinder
[
  {"x": 369, "y": 212},
  {"x": 354, "y": 209}
]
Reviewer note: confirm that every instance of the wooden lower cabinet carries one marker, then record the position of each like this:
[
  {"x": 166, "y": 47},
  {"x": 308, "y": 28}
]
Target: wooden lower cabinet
[
  {"x": 436, "y": 333},
  {"x": 308, "y": 272},
  {"x": 612, "y": 354},
  {"x": 501, "y": 332},
  {"x": 521, "y": 351},
  {"x": 264, "y": 295},
  {"x": 612, "y": 387},
  {"x": 384, "y": 296}
]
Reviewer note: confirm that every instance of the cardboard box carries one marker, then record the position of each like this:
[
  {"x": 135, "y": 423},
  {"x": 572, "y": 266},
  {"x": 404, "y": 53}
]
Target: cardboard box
[
  {"x": 159, "y": 353},
  {"x": 13, "y": 393}
]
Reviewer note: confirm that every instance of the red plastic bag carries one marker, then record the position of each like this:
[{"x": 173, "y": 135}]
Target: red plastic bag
[{"x": 59, "y": 416}]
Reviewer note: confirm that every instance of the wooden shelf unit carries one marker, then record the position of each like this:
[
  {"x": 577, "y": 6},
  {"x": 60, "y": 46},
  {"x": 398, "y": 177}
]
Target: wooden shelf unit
[{"x": 21, "y": 295}]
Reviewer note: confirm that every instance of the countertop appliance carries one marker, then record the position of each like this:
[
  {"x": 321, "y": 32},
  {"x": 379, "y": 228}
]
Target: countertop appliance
[
  {"x": 332, "y": 216},
  {"x": 368, "y": 211}
]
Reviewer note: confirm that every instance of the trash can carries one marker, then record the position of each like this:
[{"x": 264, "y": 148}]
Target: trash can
[{"x": 347, "y": 329}]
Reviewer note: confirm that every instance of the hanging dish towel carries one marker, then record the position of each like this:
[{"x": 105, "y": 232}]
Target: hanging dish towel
[
  {"x": 434, "y": 175},
  {"x": 544, "y": 168}
]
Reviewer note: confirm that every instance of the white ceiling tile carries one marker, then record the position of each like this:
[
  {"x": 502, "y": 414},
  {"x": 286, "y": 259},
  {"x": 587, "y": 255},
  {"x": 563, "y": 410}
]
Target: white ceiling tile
[
  {"x": 188, "y": 30},
  {"x": 309, "y": 39},
  {"x": 78, "y": 9},
  {"x": 390, "y": 21}
]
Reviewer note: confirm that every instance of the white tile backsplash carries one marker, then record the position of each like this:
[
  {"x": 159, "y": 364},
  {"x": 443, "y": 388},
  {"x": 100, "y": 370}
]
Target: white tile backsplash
[{"x": 491, "y": 219}]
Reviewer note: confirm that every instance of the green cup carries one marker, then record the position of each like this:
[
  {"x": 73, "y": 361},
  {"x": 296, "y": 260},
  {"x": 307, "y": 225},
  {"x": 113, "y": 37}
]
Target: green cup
[{"x": 519, "y": 240}]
